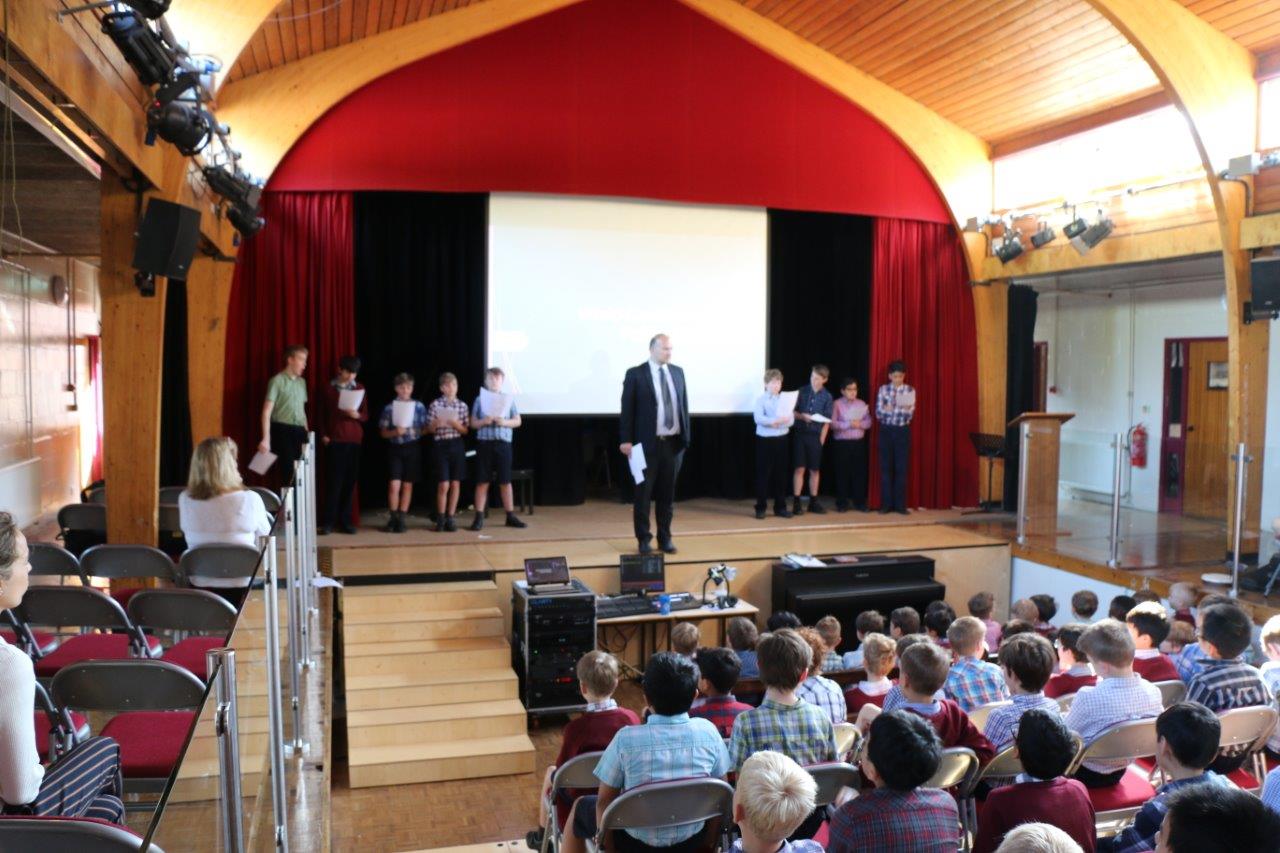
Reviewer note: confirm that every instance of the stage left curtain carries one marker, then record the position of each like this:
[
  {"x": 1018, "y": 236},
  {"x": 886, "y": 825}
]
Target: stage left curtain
[
  {"x": 922, "y": 313},
  {"x": 175, "y": 402},
  {"x": 293, "y": 284}
]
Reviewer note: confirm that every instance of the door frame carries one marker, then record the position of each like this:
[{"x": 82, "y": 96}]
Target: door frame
[{"x": 1169, "y": 446}]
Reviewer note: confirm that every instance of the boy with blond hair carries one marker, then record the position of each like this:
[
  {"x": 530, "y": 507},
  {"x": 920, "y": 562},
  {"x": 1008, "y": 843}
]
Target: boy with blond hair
[
  {"x": 784, "y": 722},
  {"x": 972, "y": 681},
  {"x": 774, "y": 795},
  {"x": 878, "y": 661},
  {"x": 1149, "y": 625},
  {"x": 1182, "y": 597},
  {"x": 829, "y": 628},
  {"x": 684, "y": 639},
  {"x": 815, "y": 689}
]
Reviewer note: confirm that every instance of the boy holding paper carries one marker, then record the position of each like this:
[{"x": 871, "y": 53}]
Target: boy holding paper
[
  {"x": 851, "y": 418},
  {"x": 494, "y": 416},
  {"x": 449, "y": 418},
  {"x": 895, "y": 405},
  {"x": 345, "y": 411},
  {"x": 773, "y": 419},
  {"x": 402, "y": 423},
  {"x": 813, "y": 419}
]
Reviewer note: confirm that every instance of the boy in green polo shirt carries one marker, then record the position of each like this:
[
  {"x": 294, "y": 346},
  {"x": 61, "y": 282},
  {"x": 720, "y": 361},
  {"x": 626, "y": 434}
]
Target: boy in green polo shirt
[{"x": 284, "y": 412}]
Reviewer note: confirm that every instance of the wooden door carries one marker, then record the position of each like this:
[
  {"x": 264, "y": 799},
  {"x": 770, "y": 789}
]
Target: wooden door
[{"x": 1208, "y": 465}]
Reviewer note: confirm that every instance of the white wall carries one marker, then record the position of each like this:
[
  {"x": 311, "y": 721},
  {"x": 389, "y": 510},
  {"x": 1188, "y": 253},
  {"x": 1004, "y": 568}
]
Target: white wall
[{"x": 1034, "y": 579}]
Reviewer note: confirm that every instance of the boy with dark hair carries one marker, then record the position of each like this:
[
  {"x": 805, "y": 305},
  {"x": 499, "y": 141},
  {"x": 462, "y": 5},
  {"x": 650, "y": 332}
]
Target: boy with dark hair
[
  {"x": 1042, "y": 793},
  {"x": 493, "y": 451},
  {"x": 780, "y": 619},
  {"x": 981, "y": 604},
  {"x": 1016, "y": 626},
  {"x": 895, "y": 406},
  {"x": 1210, "y": 819},
  {"x": 850, "y": 420},
  {"x": 903, "y": 621},
  {"x": 343, "y": 434},
  {"x": 972, "y": 681},
  {"x": 808, "y": 436},
  {"x": 901, "y": 753},
  {"x": 718, "y": 671},
  {"x": 1046, "y": 609},
  {"x": 1189, "y": 661},
  {"x": 1084, "y": 605},
  {"x": 1074, "y": 668},
  {"x": 1149, "y": 625},
  {"x": 784, "y": 722},
  {"x": 1027, "y": 661},
  {"x": 868, "y": 622},
  {"x": 829, "y": 628},
  {"x": 938, "y": 617},
  {"x": 688, "y": 746},
  {"x": 1225, "y": 682},
  {"x": 1120, "y": 607},
  {"x": 743, "y": 636},
  {"x": 450, "y": 419},
  {"x": 815, "y": 689},
  {"x": 1186, "y": 742},
  {"x": 404, "y": 455},
  {"x": 1119, "y": 696}
]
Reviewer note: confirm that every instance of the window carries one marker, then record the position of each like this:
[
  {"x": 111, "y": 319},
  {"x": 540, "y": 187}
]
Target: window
[{"x": 1269, "y": 114}]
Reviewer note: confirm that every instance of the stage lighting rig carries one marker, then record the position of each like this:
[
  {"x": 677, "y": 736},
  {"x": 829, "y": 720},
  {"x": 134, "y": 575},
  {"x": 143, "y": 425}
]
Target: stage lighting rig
[
  {"x": 1043, "y": 236},
  {"x": 180, "y": 118},
  {"x": 1092, "y": 235},
  {"x": 145, "y": 51},
  {"x": 242, "y": 195},
  {"x": 1011, "y": 246}
]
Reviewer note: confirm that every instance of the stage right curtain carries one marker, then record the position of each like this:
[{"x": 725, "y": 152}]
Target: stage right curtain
[
  {"x": 922, "y": 313},
  {"x": 1019, "y": 392}
]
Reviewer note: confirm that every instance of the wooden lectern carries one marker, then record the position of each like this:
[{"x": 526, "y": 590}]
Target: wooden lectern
[{"x": 1038, "y": 434}]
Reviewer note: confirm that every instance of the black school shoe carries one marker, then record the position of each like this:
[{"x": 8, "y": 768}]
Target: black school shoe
[
  {"x": 514, "y": 521},
  {"x": 478, "y": 522},
  {"x": 797, "y": 508},
  {"x": 347, "y": 529},
  {"x": 782, "y": 512},
  {"x": 533, "y": 839},
  {"x": 759, "y": 512},
  {"x": 816, "y": 507},
  {"x": 450, "y": 526},
  {"x": 393, "y": 523}
]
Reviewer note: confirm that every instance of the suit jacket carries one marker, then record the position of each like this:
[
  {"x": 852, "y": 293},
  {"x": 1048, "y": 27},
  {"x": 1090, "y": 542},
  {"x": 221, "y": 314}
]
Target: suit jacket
[{"x": 639, "y": 422}]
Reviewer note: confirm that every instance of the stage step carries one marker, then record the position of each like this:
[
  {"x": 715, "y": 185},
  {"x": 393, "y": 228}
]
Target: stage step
[
  {"x": 467, "y": 720},
  {"x": 405, "y": 690},
  {"x": 431, "y": 625},
  {"x": 417, "y": 598},
  {"x": 427, "y": 655},
  {"x": 405, "y": 764}
]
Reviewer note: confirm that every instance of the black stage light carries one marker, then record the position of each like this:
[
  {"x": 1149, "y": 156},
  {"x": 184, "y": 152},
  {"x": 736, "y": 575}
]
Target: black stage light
[
  {"x": 182, "y": 124},
  {"x": 1075, "y": 228},
  {"x": 149, "y": 57},
  {"x": 1043, "y": 235},
  {"x": 1092, "y": 236},
  {"x": 1010, "y": 247},
  {"x": 245, "y": 220},
  {"x": 235, "y": 187},
  {"x": 149, "y": 8}
]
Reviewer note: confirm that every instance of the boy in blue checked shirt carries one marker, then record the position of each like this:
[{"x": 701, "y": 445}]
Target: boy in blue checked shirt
[
  {"x": 449, "y": 418},
  {"x": 1190, "y": 660},
  {"x": 895, "y": 406},
  {"x": 493, "y": 452},
  {"x": 815, "y": 689},
  {"x": 808, "y": 436},
  {"x": 718, "y": 671},
  {"x": 670, "y": 745},
  {"x": 1027, "y": 661},
  {"x": 972, "y": 681},
  {"x": 404, "y": 456}
]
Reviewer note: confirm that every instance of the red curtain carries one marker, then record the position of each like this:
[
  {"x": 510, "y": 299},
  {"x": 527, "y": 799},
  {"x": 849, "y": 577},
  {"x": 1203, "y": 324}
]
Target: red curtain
[
  {"x": 293, "y": 284},
  {"x": 922, "y": 313}
]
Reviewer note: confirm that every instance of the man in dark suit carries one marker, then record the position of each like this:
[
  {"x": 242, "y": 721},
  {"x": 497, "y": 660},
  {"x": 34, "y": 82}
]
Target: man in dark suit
[{"x": 655, "y": 415}]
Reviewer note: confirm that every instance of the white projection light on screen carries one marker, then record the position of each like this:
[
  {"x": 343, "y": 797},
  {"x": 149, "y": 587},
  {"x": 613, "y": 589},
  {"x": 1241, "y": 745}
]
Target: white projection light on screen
[{"x": 577, "y": 286}]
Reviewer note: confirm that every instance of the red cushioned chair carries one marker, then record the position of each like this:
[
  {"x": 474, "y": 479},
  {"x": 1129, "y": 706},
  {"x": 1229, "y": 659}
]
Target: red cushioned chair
[
  {"x": 119, "y": 562},
  {"x": 84, "y": 607},
  {"x": 1126, "y": 741},
  {"x": 156, "y": 706},
  {"x": 194, "y": 611},
  {"x": 81, "y": 834},
  {"x": 1247, "y": 730}
]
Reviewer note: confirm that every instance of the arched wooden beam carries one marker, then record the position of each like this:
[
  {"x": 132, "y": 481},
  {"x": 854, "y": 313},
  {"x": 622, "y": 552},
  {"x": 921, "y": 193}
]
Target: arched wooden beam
[{"x": 219, "y": 28}]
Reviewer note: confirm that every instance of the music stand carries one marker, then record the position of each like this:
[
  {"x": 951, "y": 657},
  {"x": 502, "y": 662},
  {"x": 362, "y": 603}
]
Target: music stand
[{"x": 988, "y": 446}]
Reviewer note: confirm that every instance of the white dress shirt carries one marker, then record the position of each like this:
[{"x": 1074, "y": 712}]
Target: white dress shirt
[
  {"x": 657, "y": 392},
  {"x": 20, "y": 770}
]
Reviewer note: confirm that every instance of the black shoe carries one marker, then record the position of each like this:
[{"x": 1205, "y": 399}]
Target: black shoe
[
  {"x": 841, "y": 507},
  {"x": 783, "y": 513},
  {"x": 884, "y": 510},
  {"x": 533, "y": 839},
  {"x": 347, "y": 529},
  {"x": 643, "y": 547},
  {"x": 440, "y": 524},
  {"x": 402, "y": 523},
  {"x": 450, "y": 526},
  {"x": 323, "y": 531},
  {"x": 478, "y": 522},
  {"x": 862, "y": 508},
  {"x": 760, "y": 512},
  {"x": 667, "y": 547},
  {"x": 797, "y": 508},
  {"x": 816, "y": 507},
  {"x": 393, "y": 524},
  {"x": 514, "y": 521}
]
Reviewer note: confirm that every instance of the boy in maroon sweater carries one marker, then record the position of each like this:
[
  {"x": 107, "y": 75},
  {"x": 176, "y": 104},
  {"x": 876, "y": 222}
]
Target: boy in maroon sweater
[
  {"x": 592, "y": 732},
  {"x": 922, "y": 670},
  {"x": 1075, "y": 671},
  {"x": 343, "y": 432},
  {"x": 1149, "y": 625},
  {"x": 1042, "y": 794}
]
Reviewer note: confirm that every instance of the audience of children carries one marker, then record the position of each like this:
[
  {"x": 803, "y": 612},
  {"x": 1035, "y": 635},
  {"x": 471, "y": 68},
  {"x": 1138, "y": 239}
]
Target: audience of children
[
  {"x": 981, "y": 605},
  {"x": 972, "y": 681},
  {"x": 1084, "y": 606},
  {"x": 718, "y": 672},
  {"x": 878, "y": 662},
  {"x": 743, "y": 636},
  {"x": 1074, "y": 669},
  {"x": 868, "y": 622},
  {"x": 830, "y": 629},
  {"x": 903, "y": 621},
  {"x": 685, "y": 638},
  {"x": 1120, "y": 607},
  {"x": 1027, "y": 661},
  {"x": 816, "y": 690},
  {"x": 1046, "y": 609},
  {"x": 772, "y": 798},
  {"x": 1045, "y": 748},
  {"x": 938, "y": 617},
  {"x": 1149, "y": 625},
  {"x": 1025, "y": 609}
]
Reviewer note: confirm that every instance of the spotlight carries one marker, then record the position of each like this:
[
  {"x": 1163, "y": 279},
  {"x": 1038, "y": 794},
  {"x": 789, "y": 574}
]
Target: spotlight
[
  {"x": 148, "y": 55},
  {"x": 149, "y": 8},
  {"x": 1043, "y": 235},
  {"x": 1075, "y": 228},
  {"x": 246, "y": 221},
  {"x": 243, "y": 195},
  {"x": 181, "y": 123},
  {"x": 1011, "y": 247},
  {"x": 1092, "y": 236}
]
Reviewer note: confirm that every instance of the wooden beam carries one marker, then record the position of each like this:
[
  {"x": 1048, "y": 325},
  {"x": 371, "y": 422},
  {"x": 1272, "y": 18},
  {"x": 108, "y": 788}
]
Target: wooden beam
[
  {"x": 208, "y": 295},
  {"x": 1260, "y": 232},
  {"x": 219, "y": 28},
  {"x": 132, "y": 349},
  {"x": 269, "y": 112},
  {"x": 991, "y": 313},
  {"x": 1054, "y": 132},
  {"x": 1183, "y": 241}
]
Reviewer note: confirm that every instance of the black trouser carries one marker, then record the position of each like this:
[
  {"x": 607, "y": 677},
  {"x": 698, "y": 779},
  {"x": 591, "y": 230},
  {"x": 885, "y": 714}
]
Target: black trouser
[
  {"x": 1094, "y": 779},
  {"x": 894, "y": 446},
  {"x": 344, "y": 470},
  {"x": 287, "y": 441},
  {"x": 659, "y": 486},
  {"x": 851, "y": 472},
  {"x": 771, "y": 471}
]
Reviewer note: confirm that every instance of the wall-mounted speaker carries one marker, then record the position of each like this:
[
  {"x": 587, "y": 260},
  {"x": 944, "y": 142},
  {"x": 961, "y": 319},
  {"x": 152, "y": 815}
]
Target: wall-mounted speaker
[{"x": 167, "y": 239}]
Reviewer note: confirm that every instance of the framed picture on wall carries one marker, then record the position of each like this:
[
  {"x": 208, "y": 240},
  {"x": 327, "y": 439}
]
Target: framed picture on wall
[{"x": 1218, "y": 375}]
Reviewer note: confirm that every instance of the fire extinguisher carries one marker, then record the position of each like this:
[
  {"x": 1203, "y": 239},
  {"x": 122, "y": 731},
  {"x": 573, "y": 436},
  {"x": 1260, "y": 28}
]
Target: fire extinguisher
[{"x": 1138, "y": 446}]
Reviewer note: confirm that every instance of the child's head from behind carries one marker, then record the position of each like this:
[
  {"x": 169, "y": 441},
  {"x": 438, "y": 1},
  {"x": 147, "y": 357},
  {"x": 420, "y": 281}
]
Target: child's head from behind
[
  {"x": 903, "y": 621},
  {"x": 1182, "y": 596},
  {"x": 1014, "y": 627},
  {"x": 902, "y": 751},
  {"x": 966, "y": 636},
  {"x": 1046, "y": 606},
  {"x": 922, "y": 669},
  {"x": 1225, "y": 631},
  {"x": 938, "y": 618},
  {"x": 981, "y": 604},
  {"x": 783, "y": 619},
  {"x": 877, "y": 655},
  {"x": 816, "y": 646},
  {"x": 869, "y": 622},
  {"x": 1026, "y": 610},
  {"x": 1029, "y": 660},
  {"x": 830, "y": 629},
  {"x": 1149, "y": 624},
  {"x": 404, "y": 385},
  {"x": 1084, "y": 603},
  {"x": 1270, "y": 638},
  {"x": 1208, "y": 818},
  {"x": 670, "y": 683},
  {"x": 1188, "y": 732},
  {"x": 598, "y": 674},
  {"x": 1181, "y": 634},
  {"x": 1068, "y": 644},
  {"x": 1045, "y": 745},
  {"x": 742, "y": 634},
  {"x": 719, "y": 669},
  {"x": 1120, "y": 607},
  {"x": 1108, "y": 644},
  {"x": 784, "y": 659},
  {"x": 684, "y": 638},
  {"x": 1146, "y": 595},
  {"x": 773, "y": 796}
]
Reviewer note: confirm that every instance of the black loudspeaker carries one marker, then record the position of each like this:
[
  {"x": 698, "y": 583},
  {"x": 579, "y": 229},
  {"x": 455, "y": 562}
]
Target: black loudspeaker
[
  {"x": 1264, "y": 273},
  {"x": 167, "y": 239}
]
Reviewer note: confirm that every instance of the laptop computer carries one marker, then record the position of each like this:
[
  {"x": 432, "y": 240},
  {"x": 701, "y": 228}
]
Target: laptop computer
[{"x": 547, "y": 574}]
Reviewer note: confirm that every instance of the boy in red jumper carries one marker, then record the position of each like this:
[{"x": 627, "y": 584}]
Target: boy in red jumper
[
  {"x": 592, "y": 732},
  {"x": 922, "y": 670},
  {"x": 718, "y": 671},
  {"x": 878, "y": 661},
  {"x": 1074, "y": 669},
  {"x": 1149, "y": 625}
]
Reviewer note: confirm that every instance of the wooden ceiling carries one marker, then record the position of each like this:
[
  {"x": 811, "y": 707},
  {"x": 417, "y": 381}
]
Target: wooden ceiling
[{"x": 999, "y": 70}]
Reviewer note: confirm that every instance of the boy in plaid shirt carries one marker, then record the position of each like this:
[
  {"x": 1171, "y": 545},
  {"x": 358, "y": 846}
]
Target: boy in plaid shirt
[
  {"x": 449, "y": 418},
  {"x": 815, "y": 689},
  {"x": 1027, "y": 661},
  {"x": 718, "y": 672},
  {"x": 784, "y": 722},
  {"x": 901, "y": 753},
  {"x": 972, "y": 681},
  {"x": 670, "y": 745},
  {"x": 830, "y": 629},
  {"x": 1225, "y": 682}
]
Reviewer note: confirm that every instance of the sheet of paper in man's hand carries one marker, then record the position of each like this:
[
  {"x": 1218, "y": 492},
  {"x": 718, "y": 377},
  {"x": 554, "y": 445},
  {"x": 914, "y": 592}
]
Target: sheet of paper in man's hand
[
  {"x": 638, "y": 463},
  {"x": 261, "y": 462}
]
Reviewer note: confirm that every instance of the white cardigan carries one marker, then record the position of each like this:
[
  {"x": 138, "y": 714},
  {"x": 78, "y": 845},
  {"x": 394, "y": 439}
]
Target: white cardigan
[
  {"x": 20, "y": 770},
  {"x": 234, "y": 518}
]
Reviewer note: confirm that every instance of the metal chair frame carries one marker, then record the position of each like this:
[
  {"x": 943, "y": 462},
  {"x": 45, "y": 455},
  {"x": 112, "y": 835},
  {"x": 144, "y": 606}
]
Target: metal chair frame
[
  {"x": 118, "y": 562},
  {"x": 1171, "y": 692},
  {"x": 82, "y": 606},
  {"x": 577, "y": 772},
  {"x": 677, "y": 803},
  {"x": 218, "y": 561}
]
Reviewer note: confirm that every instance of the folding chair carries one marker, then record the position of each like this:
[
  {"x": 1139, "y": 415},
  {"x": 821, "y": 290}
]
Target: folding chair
[
  {"x": 1247, "y": 730},
  {"x": 1005, "y": 765},
  {"x": 169, "y": 494},
  {"x": 831, "y": 779},
  {"x": 270, "y": 499},
  {"x": 575, "y": 774},
  {"x": 670, "y": 804},
  {"x": 49, "y": 560},
  {"x": 188, "y": 611},
  {"x": 82, "y": 526},
  {"x": 958, "y": 765},
  {"x": 847, "y": 739},
  {"x": 121, "y": 562},
  {"x": 57, "y": 729},
  {"x": 217, "y": 561},
  {"x": 87, "y": 608},
  {"x": 1064, "y": 703},
  {"x": 1128, "y": 742},
  {"x": 1171, "y": 692},
  {"x": 171, "y": 538},
  {"x": 81, "y": 834},
  {"x": 155, "y": 706},
  {"x": 978, "y": 716},
  {"x": 96, "y": 495}
]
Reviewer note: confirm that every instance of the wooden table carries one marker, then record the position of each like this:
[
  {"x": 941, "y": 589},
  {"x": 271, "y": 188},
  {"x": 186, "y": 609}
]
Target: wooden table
[{"x": 647, "y": 623}]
